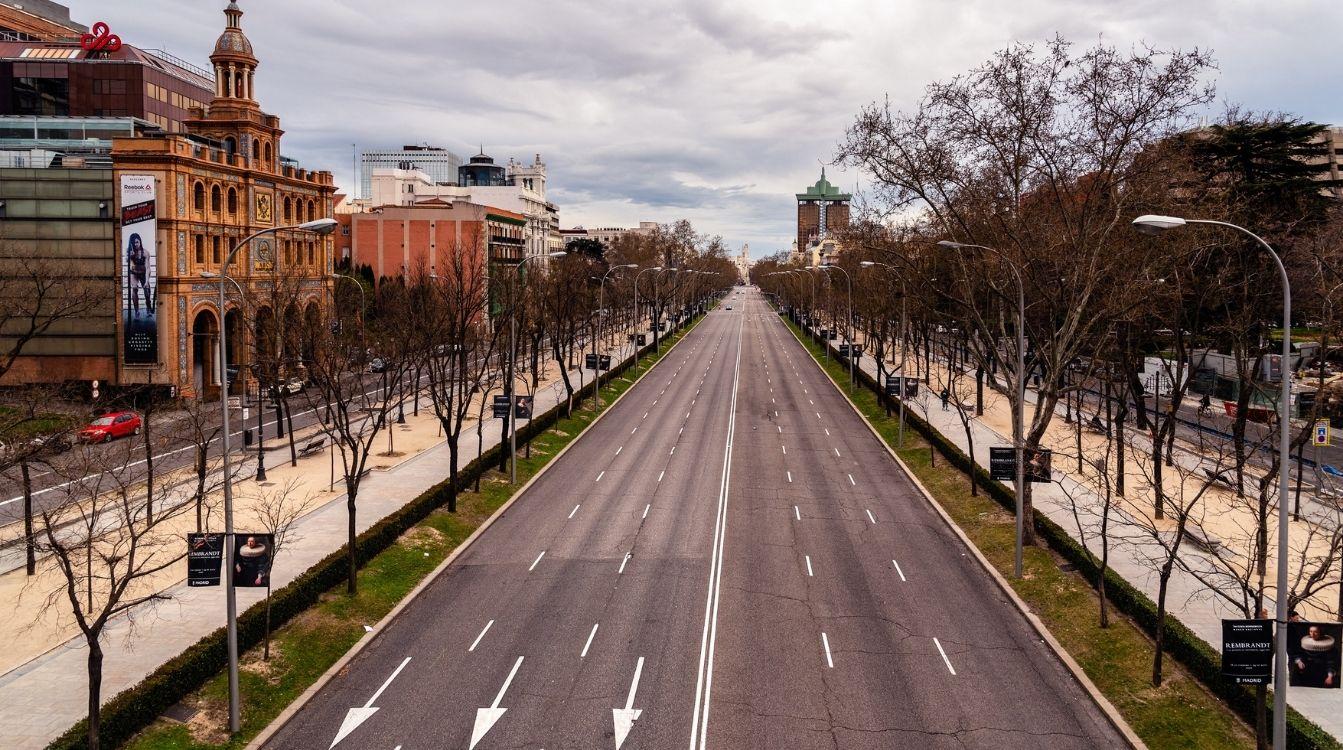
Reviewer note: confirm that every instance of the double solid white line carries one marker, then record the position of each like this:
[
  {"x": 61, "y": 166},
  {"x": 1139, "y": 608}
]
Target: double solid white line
[{"x": 699, "y": 727}]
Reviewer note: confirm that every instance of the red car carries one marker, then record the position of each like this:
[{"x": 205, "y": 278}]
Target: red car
[{"x": 111, "y": 426}]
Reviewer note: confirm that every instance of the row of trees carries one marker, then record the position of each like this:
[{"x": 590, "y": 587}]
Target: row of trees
[{"x": 1035, "y": 163}]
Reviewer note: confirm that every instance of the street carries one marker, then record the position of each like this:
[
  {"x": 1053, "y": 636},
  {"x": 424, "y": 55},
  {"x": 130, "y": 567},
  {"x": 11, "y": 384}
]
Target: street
[{"x": 728, "y": 558}]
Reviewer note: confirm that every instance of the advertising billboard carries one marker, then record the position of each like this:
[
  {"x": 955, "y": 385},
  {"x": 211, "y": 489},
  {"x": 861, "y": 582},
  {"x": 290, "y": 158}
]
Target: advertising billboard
[
  {"x": 252, "y": 557},
  {"x": 139, "y": 270},
  {"x": 205, "y": 553}
]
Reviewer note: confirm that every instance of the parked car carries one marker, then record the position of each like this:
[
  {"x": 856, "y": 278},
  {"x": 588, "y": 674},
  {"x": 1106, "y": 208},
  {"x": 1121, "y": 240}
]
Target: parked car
[
  {"x": 293, "y": 386},
  {"x": 376, "y": 365},
  {"x": 111, "y": 426}
]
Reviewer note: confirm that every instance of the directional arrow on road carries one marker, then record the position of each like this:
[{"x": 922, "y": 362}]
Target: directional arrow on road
[
  {"x": 486, "y": 717},
  {"x": 356, "y": 716},
  {"x": 625, "y": 717}
]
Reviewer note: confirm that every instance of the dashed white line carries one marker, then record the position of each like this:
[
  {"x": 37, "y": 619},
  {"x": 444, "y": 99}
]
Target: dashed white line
[
  {"x": 618, "y": 450},
  {"x": 870, "y": 517},
  {"x": 797, "y": 513},
  {"x": 827, "y": 431},
  {"x": 950, "y": 668},
  {"x": 818, "y": 415},
  {"x": 790, "y": 477},
  {"x": 588, "y": 645},
  {"x": 836, "y": 453},
  {"x": 575, "y": 510},
  {"x": 646, "y": 507},
  {"x": 636, "y": 429},
  {"x": 825, "y": 641},
  {"x": 476, "y": 642},
  {"x": 537, "y": 560},
  {"x": 898, "y": 570},
  {"x": 785, "y": 449},
  {"x": 662, "y": 474},
  {"x": 855, "y": 484},
  {"x": 673, "y": 451},
  {"x": 599, "y": 476},
  {"x": 623, "y": 561},
  {"x": 809, "y": 573}
]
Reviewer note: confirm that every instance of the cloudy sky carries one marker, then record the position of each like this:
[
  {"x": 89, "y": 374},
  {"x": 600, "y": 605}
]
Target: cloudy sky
[{"x": 713, "y": 111}]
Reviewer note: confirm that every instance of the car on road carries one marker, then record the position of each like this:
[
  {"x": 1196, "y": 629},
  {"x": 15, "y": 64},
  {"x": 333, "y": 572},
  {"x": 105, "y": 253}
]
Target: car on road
[
  {"x": 729, "y": 307},
  {"x": 377, "y": 365},
  {"x": 111, "y": 426}
]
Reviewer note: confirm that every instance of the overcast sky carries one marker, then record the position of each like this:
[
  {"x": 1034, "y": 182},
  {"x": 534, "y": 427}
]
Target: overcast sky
[{"x": 713, "y": 111}]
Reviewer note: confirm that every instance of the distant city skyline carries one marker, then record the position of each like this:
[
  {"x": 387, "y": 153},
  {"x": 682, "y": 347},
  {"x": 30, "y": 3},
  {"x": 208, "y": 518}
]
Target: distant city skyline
[{"x": 717, "y": 114}]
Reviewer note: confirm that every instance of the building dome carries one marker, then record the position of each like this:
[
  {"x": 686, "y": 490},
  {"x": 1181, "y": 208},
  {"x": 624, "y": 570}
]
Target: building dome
[{"x": 233, "y": 41}]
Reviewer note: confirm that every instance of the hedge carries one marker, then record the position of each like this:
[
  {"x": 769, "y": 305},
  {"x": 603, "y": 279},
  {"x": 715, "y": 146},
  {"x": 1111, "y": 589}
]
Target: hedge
[
  {"x": 1199, "y": 659},
  {"x": 137, "y": 707}
]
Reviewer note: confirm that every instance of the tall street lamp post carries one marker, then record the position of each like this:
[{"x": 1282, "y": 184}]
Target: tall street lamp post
[
  {"x": 1019, "y": 419},
  {"x": 1151, "y": 224},
  {"x": 903, "y": 332},
  {"x": 848, "y": 326},
  {"x": 601, "y": 291},
  {"x": 657, "y": 308},
  {"x": 318, "y": 226},
  {"x": 654, "y": 269},
  {"x": 509, "y": 420}
]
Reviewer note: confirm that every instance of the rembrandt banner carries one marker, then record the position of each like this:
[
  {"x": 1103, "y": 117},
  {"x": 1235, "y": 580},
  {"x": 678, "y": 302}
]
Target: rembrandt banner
[{"x": 139, "y": 270}]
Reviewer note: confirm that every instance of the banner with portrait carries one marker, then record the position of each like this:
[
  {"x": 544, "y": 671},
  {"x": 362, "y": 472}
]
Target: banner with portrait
[
  {"x": 139, "y": 270},
  {"x": 252, "y": 556},
  {"x": 1314, "y": 654}
]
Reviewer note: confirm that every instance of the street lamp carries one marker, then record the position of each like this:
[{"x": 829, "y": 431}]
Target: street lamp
[
  {"x": 1019, "y": 419},
  {"x": 654, "y": 269},
  {"x": 320, "y": 227},
  {"x": 509, "y": 421},
  {"x": 903, "y": 333},
  {"x": 601, "y": 289},
  {"x": 848, "y": 326},
  {"x": 657, "y": 307},
  {"x": 1151, "y": 224}
]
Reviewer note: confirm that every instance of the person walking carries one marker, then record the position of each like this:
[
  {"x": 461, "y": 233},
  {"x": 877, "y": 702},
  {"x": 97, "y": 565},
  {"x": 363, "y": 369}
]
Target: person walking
[
  {"x": 1204, "y": 405},
  {"x": 946, "y": 397}
]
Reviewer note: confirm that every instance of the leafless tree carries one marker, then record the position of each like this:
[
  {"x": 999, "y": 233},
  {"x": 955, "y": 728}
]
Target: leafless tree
[{"x": 276, "y": 511}]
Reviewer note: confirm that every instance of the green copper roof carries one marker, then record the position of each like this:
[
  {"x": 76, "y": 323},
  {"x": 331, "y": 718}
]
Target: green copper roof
[{"x": 823, "y": 190}]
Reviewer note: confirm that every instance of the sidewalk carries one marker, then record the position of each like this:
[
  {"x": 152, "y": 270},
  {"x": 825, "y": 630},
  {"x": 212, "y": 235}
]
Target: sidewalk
[
  {"x": 1187, "y": 599},
  {"x": 43, "y": 691}
]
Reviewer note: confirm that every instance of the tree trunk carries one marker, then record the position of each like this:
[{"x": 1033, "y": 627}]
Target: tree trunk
[
  {"x": 95, "y": 663},
  {"x": 351, "y": 491},
  {"x": 149, "y": 461},
  {"x": 1261, "y": 717},
  {"x": 265, "y": 644},
  {"x": 29, "y": 539},
  {"x": 452, "y": 468},
  {"x": 289, "y": 421},
  {"x": 202, "y": 466},
  {"x": 1159, "y": 639},
  {"x": 1121, "y": 416}
]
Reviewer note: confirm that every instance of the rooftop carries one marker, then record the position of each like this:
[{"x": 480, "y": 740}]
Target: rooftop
[{"x": 823, "y": 190}]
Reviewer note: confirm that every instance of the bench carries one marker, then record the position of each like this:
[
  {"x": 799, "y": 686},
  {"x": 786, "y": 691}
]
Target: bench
[
  {"x": 312, "y": 447},
  {"x": 1202, "y": 539},
  {"x": 1220, "y": 478}
]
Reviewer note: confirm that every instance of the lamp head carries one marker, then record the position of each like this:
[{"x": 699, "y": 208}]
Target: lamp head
[
  {"x": 1156, "y": 224},
  {"x": 319, "y": 226},
  {"x": 558, "y": 254},
  {"x": 949, "y": 245},
  {"x": 866, "y": 263}
]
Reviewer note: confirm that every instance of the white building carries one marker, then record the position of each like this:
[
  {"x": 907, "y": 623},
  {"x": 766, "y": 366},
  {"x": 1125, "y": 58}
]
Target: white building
[
  {"x": 743, "y": 263},
  {"x": 439, "y": 164}
]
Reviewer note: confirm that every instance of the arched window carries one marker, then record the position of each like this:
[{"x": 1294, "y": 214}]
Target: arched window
[
  {"x": 288, "y": 210},
  {"x": 215, "y": 253},
  {"x": 312, "y": 211},
  {"x": 288, "y": 253},
  {"x": 269, "y": 156},
  {"x": 312, "y": 253},
  {"x": 298, "y": 211},
  {"x": 216, "y": 198},
  {"x": 198, "y": 196},
  {"x": 233, "y": 203},
  {"x": 256, "y": 150},
  {"x": 200, "y": 249}
]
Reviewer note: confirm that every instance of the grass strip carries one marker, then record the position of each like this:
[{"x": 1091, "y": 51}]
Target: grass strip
[
  {"x": 1118, "y": 659},
  {"x": 308, "y": 645}
]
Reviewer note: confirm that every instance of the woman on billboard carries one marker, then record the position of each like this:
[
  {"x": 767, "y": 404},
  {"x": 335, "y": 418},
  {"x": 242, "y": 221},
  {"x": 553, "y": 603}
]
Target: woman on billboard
[{"x": 137, "y": 262}]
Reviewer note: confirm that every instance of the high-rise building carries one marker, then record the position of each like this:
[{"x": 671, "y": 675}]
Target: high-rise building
[
  {"x": 822, "y": 209},
  {"x": 439, "y": 164}
]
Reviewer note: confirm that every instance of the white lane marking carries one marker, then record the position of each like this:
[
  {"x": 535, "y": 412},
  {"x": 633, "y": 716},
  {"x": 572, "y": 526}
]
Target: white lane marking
[
  {"x": 618, "y": 450},
  {"x": 487, "y": 717},
  {"x": 870, "y": 518},
  {"x": 797, "y": 513},
  {"x": 699, "y": 728},
  {"x": 780, "y": 428},
  {"x": 836, "y": 453},
  {"x": 624, "y": 719},
  {"x": 588, "y": 645},
  {"x": 827, "y": 431},
  {"x": 476, "y": 642},
  {"x": 772, "y": 401},
  {"x": 950, "y": 668},
  {"x": 673, "y": 451},
  {"x": 662, "y": 474},
  {"x": 825, "y": 641},
  {"x": 655, "y": 401},
  {"x": 813, "y": 403},
  {"x": 818, "y": 415},
  {"x": 646, "y": 507},
  {"x": 636, "y": 429},
  {"x": 624, "y": 561},
  {"x": 790, "y": 477},
  {"x": 575, "y": 510},
  {"x": 645, "y": 416},
  {"x": 599, "y": 476},
  {"x": 898, "y": 570},
  {"x": 537, "y": 560},
  {"x": 785, "y": 449},
  {"x": 855, "y": 484},
  {"x": 809, "y": 573},
  {"x": 687, "y": 415},
  {"x": 682, "y": 430}
]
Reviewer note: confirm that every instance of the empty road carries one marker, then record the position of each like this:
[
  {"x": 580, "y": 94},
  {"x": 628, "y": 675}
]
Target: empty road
[{"x": 728, "y": 559}]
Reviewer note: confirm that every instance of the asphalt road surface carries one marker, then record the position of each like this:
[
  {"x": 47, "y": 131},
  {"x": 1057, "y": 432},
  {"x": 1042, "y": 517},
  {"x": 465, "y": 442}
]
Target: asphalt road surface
[{"x": 728, "y": 559}]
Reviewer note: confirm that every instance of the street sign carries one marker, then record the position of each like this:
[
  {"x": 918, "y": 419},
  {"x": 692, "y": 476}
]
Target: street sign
[
  {"x": 523, "y": 408},
  {"x": 1003, "y": 465},
  {"x": 1322, "y": 434},
  {"x": 1247, "y": 651},
  {"x": 500, "y": 406},
  {"x": 1313, "y": 654},
  {"x": 205, "y": 558}
]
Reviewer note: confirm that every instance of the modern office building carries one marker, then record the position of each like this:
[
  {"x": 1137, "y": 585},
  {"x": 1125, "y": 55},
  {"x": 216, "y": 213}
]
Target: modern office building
[
  {"x": 37, "y": 21},
  {"x": 821, "y": 210},
  {"x": 439, "y": 164}
]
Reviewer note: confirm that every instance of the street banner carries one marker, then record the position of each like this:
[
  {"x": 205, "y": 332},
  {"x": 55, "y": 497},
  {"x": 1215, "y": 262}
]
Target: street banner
[
  {"x": 252, "y": 555},
  {"x": 606, "y": 361},
  {"x": 1247, "y": 651},
  {"x": 205, "y": 558},
  {"x": 832, "y": 335},
  {"x": 1313, "y": 654},
  {"x": 1003, "y": 465},
  {"x": 589, "y": 361},
  {"x": 523, "y": 407},
  {"x": 139, "y": 270},
  {"x": 500, "y": 406},
  {"x": 893, "y": 385},
  {"x": 1322, "y": 435}
]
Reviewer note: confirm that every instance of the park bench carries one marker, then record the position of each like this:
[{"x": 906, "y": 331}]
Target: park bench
[
  {"x": 312, "y": 447},
  {"x": 1220, "y": 478},
  {"x": 1202, "y": 539}
]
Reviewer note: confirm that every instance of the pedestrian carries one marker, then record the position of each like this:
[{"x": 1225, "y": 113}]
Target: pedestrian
[
  {"x": 946, "y": 397},
  {"x": 1204, "y": 405}
]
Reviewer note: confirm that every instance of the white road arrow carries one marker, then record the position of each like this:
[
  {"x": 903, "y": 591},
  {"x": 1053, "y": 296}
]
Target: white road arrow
[
  {"x": 357, "y": 716},
  {"x": 486, "y": 717},
  {"x": 625, "y": 717}
]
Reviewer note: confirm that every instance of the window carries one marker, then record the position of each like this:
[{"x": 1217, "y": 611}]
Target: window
[
  {"x": 312, "y": 211},
  {"x": 198, "y": 197},
  {"x": 288, "y": 253},
  {"x": 214, "y": 249},
  {"x": 215, "y": 198},
  {"x": 200, "y": 249},
  {"x": 269, "y": 160},
  {"x": 41, "y": 96},
  {"x": 233, "y": 203},
  {"x": 288, "y": 210},
  {"x": 230, "y": 146},
  {"x": 312, "y": 254}
]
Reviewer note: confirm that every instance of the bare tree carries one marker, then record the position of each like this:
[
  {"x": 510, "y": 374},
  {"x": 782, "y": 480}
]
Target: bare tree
[{"x": 276, "y": 511}]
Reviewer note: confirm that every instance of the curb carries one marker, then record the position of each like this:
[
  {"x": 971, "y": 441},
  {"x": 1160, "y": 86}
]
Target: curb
[
  {"x": 299, "y": 703},
  {"x": 1111, "y": 713}
]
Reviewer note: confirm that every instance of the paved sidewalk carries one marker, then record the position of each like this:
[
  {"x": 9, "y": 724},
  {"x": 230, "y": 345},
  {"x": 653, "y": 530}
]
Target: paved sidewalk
[
  {"x": 1187, "y": 599},
  {"x": 43, "y": 697}
]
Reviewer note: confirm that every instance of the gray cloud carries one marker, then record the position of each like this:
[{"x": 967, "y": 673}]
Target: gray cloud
[{"x": 711, "y": 110}]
